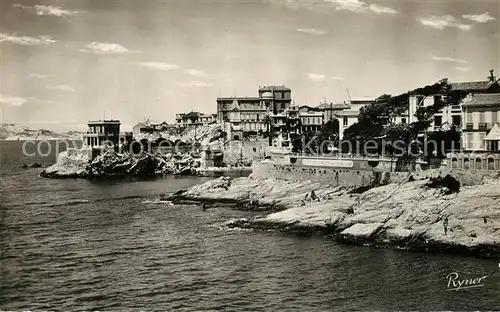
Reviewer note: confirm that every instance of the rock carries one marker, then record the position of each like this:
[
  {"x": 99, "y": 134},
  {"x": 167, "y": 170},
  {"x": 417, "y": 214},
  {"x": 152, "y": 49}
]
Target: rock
[
  {"x": 402, "y": 215},
  {"x": 361, "y": 233},
  {"x": 449, "y": 183},
  {"x": 36, "y": 165},
  {"x": 110, "y": 163}
]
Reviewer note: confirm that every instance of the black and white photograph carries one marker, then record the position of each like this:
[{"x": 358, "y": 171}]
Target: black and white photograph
[{"x": 249, "y": 155}]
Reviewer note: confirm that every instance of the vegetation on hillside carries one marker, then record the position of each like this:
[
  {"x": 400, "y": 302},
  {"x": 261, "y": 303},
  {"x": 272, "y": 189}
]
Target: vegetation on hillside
[{"x": 377, "y": 121}]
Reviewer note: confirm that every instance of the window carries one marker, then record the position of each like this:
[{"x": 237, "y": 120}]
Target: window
[
  {"x": 345, "y": 121},
  {"x": 481, "y": 140},
  {"x": 494, "y": 117},
  {"x": 457, "y": 120},
  {"x": 403, "y": 121},
  {"x": 468, "y": 117},
  {"x": 481, "y": 117},
  {"x": 438, "y": 121},
  {"x": 470, "y": 138}
]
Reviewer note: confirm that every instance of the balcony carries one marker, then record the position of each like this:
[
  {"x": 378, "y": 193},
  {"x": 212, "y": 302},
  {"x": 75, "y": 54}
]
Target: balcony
[
  {"x": 483, "y": 126},
  {"x": 469, "y": 126}
]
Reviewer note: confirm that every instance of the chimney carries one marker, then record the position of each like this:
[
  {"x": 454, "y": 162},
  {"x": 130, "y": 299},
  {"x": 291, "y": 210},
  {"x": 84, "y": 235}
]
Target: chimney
[{"x": 492, "y": 77}]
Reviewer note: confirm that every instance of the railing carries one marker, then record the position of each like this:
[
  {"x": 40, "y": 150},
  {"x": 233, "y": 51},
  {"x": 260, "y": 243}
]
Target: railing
[
  {"x": 469, "y": 126},
  {"x": 339, "y": 156},
  {"x": 104, "y": 134},
  {"x": 483, "y": 126}
]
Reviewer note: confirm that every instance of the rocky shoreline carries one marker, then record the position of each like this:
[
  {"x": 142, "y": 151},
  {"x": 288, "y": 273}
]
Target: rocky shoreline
[
  {"x": 408, "y": 215},
  {"x": 111, "y": 164}
]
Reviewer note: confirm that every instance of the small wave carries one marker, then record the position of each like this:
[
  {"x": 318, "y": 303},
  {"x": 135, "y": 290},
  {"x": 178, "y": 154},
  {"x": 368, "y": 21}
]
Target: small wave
[
  {"x": 66, "y": 203},
  {"x": 158, "y": 202}
]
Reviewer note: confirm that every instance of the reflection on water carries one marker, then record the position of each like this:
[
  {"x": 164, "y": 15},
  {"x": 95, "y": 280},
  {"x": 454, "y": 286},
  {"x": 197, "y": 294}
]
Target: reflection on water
[{"x": 17, "y": 153}]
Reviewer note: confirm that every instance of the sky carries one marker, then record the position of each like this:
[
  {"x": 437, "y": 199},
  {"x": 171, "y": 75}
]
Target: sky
[{"x": 63, "y": 63}]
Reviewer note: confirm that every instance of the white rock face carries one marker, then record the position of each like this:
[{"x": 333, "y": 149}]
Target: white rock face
[
  {"x": 69, "y": 164},
  {"x": 394, "y": 212},
  {"x": 12, "y": 132}
]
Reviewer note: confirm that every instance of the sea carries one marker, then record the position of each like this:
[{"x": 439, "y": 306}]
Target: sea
[{"x": 114, "y": 245}]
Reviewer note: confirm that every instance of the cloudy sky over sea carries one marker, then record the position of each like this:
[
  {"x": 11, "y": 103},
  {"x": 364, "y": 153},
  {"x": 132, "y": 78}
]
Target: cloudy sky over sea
[{"x": 65, "y": 62}]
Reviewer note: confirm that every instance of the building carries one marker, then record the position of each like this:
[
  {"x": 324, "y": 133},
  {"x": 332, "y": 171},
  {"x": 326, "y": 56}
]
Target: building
[
  {"x": 481, "y": 115},
  {"x": 450, "y": 116},
  {"x": 150, "y": 127},
  {"x": 183, "y": 120},
  {"x": 348, "y": 114},
  {"x": 331, "y": 110},
  {"x": 251, "y": 115},
  {"x": 102, "y": 134},
  {"x": 311, "y": 119},
  {"x": 125, "y": 138}
]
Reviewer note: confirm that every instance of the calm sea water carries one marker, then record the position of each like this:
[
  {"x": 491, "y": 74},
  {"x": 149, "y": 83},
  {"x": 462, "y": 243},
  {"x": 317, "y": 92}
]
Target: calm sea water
[{"x": 75, "y": 245}]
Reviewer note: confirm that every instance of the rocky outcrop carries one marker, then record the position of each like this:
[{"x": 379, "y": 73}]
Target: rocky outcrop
[
  {"x": 78, "y": 164},
  {"x": 408, "y": 214},
  {"x": 69, "y": 165}
]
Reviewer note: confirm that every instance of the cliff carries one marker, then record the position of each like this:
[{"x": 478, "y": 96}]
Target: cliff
[
  {"x": 14, "y": 132},
  {"x": 409, "y": 214}
]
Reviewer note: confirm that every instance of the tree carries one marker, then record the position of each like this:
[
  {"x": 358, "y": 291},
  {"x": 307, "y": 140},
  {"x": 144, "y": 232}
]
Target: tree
[
  {"x": 268, "y": 121},
  {"x": 377, "y": 120}
]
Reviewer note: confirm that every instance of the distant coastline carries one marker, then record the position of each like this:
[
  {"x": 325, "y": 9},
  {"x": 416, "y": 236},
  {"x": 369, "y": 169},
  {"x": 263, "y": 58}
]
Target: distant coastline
[{"x": 13, "y": 132}]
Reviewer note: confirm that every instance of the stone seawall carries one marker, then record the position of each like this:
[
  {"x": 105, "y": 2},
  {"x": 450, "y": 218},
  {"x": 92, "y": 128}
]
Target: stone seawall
[
  {"x": 333, "y": 177},
  {"x": 359, "y": 178}
]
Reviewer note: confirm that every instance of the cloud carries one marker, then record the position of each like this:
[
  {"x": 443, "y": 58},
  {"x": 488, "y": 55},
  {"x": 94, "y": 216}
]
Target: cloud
[
  {"x": 293, "y": 4},
  {"x": 159, "y": 66},
  {"x": 316, "y": 77},
  {"x": 379, "y": 9},
  {"x": 349, "y": 5},
  {"x": 359, "y": 6},
  {"x": 441, "y": 22},
  {"x": 26, "y": 40},
  {"x": 62, "y": 88},
  {"x": 197, "y": 84},
  {"x": 39, "y": 76},
  {"x": 11, "y": 100},
  {"x": 53, "y": 10},
  {"x": 480, "y": 18},
  {"x": 47, "y": 10},
  {"x": 448, "y": 59},
  {"x": 463, "y": 69},
  {"x": 106, "y": 48},
  {"x": 196, "y": 73},
  {"x": 312, "y": 31},
  {"x": 321, "y": 78}
]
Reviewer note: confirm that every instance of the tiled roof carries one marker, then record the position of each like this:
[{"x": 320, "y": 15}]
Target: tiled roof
[
  {"x": 274, "y": 88},
  {"x": 348, "y": 113},
  {"x": 472, "y": 86},
  {"x": 483, "y": 99},
  {"x": 494, "y": 134},
  {"x": 337, "y": 106},
  {"x": 240, "y": 98}
]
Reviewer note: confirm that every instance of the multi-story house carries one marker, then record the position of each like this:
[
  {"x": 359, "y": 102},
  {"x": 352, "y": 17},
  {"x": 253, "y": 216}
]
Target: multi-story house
[
  {"x": 451, "y": 115},
  {"x": 105, "y": 134},
  {"x": 481, "y": 115},
  {"x": 250, "y": 115},
  {"x": 194, "y": 119},
  {"x": 349, "y": 113},
  {"x": 150, "y": 126}
]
